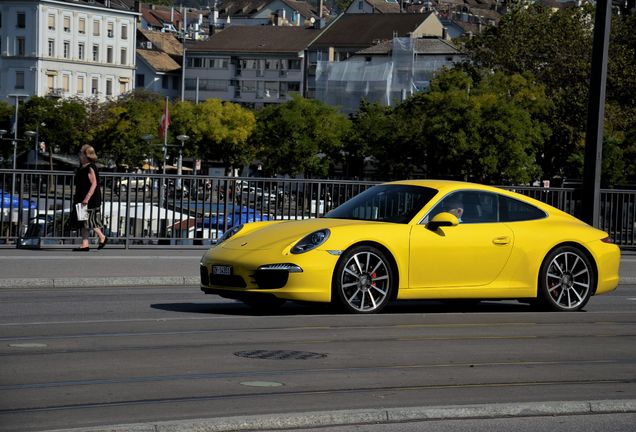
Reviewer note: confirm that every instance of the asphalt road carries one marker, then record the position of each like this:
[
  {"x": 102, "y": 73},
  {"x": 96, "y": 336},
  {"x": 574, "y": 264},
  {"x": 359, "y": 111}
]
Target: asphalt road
[{"x": 82, "y": 357}]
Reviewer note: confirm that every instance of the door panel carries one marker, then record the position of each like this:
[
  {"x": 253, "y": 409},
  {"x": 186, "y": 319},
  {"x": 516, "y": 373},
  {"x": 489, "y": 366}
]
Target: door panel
[{"x": 466, "y": 255}]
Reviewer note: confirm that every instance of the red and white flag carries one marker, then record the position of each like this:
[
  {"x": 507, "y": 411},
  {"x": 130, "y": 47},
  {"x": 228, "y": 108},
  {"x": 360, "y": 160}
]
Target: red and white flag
[{"x": 165, "y": 121}]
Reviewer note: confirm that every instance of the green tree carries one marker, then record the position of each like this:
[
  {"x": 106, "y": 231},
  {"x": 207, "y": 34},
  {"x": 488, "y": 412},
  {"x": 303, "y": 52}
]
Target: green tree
[
  {"x": 487, "y": 130},
  {"x": 120, "y": 136},
  {"x": 300, "y": 136},
  {"x": 371, "y": 134},
  {"x": 554, "y": 47},
  {"x": 59, "y": 123},
  {"x": 218, "y": 130}
]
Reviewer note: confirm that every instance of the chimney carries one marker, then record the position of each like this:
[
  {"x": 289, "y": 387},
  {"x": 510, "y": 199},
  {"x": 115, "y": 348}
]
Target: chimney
[{"x": 444, "y": 33}]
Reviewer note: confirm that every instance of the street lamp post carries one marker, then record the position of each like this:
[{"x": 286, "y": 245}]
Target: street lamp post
[{"x": 31, "y": 135}]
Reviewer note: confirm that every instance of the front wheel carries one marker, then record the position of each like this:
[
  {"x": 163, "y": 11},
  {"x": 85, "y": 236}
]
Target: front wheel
[
  {"x": 566, "y": 279},
  {"x": 363, "y": 280}
]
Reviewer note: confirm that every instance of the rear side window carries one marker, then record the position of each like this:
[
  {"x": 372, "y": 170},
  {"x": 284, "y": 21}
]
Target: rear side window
[{"x": 512, "y": 210}]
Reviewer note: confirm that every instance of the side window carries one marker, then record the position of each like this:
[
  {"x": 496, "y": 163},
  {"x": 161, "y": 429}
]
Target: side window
[
  {"x": 469, "y": 206},
  {"x": 512, "y": 210}
]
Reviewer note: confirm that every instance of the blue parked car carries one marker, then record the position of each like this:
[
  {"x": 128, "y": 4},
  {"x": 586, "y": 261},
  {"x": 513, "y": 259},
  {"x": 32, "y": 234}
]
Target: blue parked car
[{"x": 220, "y": 216}]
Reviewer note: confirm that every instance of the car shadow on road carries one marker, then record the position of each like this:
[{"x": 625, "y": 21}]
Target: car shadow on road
[{"x": 229, "y": 307}]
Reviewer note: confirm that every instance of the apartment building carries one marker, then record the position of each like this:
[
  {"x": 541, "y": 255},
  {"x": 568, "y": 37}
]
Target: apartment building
[
  {"x": 250, "y": 65},
  {"x": 67, "y": 48}
]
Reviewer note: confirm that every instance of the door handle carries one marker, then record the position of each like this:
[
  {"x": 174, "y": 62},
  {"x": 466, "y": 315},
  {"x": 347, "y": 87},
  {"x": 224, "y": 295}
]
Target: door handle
[{"x": 501, "y": 240}]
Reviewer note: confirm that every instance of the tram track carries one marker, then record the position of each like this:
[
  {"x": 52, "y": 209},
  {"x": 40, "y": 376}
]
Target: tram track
[{"x": 322, "y": 392}]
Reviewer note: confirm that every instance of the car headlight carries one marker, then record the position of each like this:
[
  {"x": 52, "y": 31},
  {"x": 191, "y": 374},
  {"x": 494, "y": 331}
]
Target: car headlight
[
  {"x": 229, "y": 233},
  {"x": 311, "y": 241}
]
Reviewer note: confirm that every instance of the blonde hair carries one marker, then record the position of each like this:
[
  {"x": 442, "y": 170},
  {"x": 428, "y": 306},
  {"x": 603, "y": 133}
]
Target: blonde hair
[{"x": 89, "y": 152}]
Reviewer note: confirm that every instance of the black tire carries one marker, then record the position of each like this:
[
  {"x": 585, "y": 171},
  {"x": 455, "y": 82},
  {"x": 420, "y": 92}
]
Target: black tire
[
  {"x": 363, "y": 281},
  {"x": 566, "y": 280}
]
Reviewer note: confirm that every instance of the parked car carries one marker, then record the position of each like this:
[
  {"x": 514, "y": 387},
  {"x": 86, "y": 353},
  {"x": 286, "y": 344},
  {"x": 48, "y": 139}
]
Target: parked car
[
  {"x": 419, "y": 239},
  {"x": 221, "y": 217},
  {"x": 135, "y": 183}
]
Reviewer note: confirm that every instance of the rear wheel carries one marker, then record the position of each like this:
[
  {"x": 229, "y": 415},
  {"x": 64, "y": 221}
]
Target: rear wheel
[
  {"x": 363, "y": 280},
  {"x": 566, "y": 279}
]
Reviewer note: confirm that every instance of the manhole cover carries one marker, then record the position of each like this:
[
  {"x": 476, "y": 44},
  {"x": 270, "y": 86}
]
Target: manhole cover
[{"x": 280, "y": 355}]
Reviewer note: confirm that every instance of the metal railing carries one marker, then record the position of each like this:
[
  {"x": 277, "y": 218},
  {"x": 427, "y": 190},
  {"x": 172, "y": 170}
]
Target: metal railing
[
  {"x": 147, "y": 210},
  {"x": 142, "y": 210}
]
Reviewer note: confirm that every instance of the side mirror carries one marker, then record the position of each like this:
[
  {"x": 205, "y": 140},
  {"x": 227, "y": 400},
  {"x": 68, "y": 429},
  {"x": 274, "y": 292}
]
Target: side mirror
[{"x": 442, "y": 219}]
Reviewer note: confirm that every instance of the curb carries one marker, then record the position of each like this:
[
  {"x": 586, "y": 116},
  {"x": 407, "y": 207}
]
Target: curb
[
  {"x": 374, "y": 416},
  {"x": 79, "y": 282}
]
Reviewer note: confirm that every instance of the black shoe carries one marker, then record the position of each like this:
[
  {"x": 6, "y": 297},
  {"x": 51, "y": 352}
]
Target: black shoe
[
  {"x": 102, "y": 245},
  {"x": 81, "y": 249}
]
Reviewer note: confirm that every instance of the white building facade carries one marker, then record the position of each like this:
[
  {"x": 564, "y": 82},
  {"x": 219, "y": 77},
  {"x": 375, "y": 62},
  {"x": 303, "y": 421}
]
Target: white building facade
[{"x": 65, "y": 48}]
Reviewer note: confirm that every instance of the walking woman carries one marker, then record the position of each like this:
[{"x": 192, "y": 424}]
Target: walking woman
[{"x": 88, "y": 193}]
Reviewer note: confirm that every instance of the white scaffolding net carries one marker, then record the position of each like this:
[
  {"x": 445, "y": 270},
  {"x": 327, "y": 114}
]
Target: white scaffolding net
[{"x": 387, "y": 80}]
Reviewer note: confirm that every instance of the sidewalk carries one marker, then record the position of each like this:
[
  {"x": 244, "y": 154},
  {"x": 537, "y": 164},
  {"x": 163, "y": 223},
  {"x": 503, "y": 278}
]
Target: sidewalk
[
  {"x": 324, "y": 419},
  {"x": 107, "y": 267}
]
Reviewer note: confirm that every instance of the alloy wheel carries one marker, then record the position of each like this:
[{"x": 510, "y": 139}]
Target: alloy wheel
[
  {"x": 568, "y": 280},
  {"x": 365, "y": 281}
]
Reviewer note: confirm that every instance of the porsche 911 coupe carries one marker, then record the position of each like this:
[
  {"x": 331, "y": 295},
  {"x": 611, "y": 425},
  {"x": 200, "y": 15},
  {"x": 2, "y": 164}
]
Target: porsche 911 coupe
[{"x": 419, "y": 239}]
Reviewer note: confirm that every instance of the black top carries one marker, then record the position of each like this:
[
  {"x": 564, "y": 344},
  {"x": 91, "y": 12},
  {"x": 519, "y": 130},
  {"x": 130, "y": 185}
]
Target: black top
[{"x": 83, "y": 185}]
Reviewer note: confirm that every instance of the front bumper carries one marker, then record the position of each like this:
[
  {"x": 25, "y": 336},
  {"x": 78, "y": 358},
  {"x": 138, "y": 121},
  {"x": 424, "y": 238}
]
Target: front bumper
[{"x": 304, "y": 277}]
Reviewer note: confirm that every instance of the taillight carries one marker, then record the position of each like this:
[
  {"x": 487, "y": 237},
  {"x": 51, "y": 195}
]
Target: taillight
[{"x": 607, "y": 239}]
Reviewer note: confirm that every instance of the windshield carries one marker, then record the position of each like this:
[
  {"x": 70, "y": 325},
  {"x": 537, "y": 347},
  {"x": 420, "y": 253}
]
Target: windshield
[{"x": 386, "y": 203}]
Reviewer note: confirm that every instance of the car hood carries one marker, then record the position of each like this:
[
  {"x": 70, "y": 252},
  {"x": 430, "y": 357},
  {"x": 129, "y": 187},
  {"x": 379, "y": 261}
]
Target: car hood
[{"x": 279, "y": 235}]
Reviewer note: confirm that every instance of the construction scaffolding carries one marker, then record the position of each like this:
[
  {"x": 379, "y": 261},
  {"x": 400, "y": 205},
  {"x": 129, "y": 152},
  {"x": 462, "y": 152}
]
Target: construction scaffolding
[{"x": 387, "y": 80}]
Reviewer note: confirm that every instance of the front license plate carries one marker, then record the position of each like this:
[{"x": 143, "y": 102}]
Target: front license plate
[{"x": 222, "y": 270}]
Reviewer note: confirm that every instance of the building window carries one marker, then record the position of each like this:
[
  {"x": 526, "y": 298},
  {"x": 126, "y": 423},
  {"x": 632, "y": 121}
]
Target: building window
[
  {"x": 80, "y": 51},
  {"x": 95, "y": 53},
  {"x": 82, "y": 26},
  {"x": 272, "y": 64},
  {"x": 0, "y": 19},
  {"x": 94, "y": 86},
  {"x": 67, "y": 24},
  {"x": 80, "y": 85},
  {"x": 65, "y": 83},
  {"x": 96, "y": 25},
  {"x": 50, "y": 83},
  {"x": 51, "y": 48},
  {"x": 175, "y": 82},
  {"x": 124, "y": 31},
  {"x": 19, "y": 79},
  {"x": 124, "y": 56},
  {"x": 51, "y": 22},
  {"x": 360, "y": 5},
  {"x": 293, "y": 86},
  {"x": 197, "y": 63},
  {"x": 140, "y": 79},
  {"x": 165, "y": 82},
  {"x": 20, "y": 47},
  {"x": 109, "y": 87},
  {"x": 109, "y": 29},
  {"x": 21, "y": 20},
  {"x": 67, "y": 49},
  {"x": 123, "y": 87},
  {"x": 109, "y": 54}
]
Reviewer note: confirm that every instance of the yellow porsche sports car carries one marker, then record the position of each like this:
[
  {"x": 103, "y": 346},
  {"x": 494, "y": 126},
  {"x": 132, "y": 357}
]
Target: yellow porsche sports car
[{"x": 420, "y": 239}]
